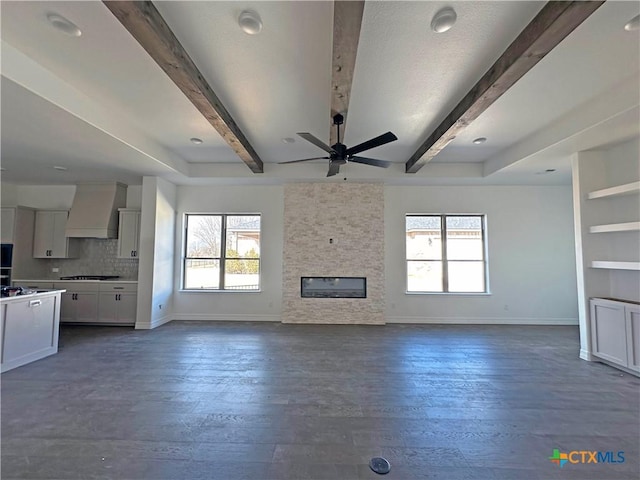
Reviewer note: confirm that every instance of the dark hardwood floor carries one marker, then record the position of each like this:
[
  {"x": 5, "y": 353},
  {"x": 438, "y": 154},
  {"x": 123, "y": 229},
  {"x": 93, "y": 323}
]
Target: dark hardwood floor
[{"x": 271, "y": 401}]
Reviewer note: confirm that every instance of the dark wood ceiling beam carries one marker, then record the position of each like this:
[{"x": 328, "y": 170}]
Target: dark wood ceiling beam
[
  {"x": 147, "y": 26},
  {"x": 554, "y": 22},
  {"x": 347, "y": 20}
]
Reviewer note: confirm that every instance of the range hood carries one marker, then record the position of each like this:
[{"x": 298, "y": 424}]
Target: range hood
[{"x": 94, "y": 212}]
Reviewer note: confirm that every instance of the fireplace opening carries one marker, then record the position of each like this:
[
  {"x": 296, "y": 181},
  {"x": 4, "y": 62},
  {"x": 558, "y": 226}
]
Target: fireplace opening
[{"x": 333, "y": 287}]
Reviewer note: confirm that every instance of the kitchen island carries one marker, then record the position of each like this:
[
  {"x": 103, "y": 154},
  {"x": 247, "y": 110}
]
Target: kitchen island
[{"x": 29, "y": 327}]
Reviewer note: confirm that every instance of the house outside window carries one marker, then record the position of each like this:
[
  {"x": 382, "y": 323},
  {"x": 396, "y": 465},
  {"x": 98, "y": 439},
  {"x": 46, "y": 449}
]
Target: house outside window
[
  {"x": 221, "y": 252},
  {"x": 446, "y": 254}
]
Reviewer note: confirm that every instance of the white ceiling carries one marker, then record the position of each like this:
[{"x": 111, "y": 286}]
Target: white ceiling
[{"x": 100, "y": 106}]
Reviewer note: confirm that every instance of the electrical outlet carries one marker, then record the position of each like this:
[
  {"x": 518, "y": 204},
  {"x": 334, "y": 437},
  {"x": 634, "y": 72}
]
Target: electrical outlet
[{"x": 55, "y": 269}]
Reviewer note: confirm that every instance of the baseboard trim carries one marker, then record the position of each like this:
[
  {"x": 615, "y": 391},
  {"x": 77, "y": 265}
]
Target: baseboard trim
[
  {"x": 484, "y": 320},
  {"x": 586, "y": 355},
  {"x": 151, "y": 325},
  {"x": 226, "y": 317}
]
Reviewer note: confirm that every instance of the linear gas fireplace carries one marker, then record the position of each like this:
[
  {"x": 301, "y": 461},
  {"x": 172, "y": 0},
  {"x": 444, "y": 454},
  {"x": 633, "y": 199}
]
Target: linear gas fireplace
[{"x": 333, "y": 287}]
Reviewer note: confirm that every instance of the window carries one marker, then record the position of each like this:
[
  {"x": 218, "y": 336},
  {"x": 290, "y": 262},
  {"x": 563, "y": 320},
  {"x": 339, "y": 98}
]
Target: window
[
  {"x": 446, "y": 253},
  {"x": 222, "y": 252}
]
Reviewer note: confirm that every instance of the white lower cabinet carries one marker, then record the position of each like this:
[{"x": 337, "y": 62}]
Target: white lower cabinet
[
  {"x": 118, "y": 303},
  {"x": 28, "y": 329},
  {"x": 99, "y": 303},
  {"x": 79, "y": 303},
  {"x": 632, "y": 314},
  {"x": 615, "y": 332}
]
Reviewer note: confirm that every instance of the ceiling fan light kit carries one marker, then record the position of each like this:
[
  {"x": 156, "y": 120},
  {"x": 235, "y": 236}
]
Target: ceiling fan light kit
[
  {"x": 443, "y": 20},
  {"x": 250, "y": 22},
  {"x": 339, "y": 154}
]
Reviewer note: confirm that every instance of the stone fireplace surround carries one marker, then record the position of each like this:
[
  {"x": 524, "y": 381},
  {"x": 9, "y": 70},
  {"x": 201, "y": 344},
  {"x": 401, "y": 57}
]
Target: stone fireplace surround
[{"x": 333, "y": 230}]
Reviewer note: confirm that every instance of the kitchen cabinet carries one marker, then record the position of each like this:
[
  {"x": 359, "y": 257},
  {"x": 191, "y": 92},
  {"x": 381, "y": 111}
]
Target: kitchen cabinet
[
  {"x": 615, "y": 332},
  {"x": 118, "y": 303},
  {"x": 93, "y": 302},
  {"x": 17, "y": 229},
  {"x": 128, "y": 233},
  {"x": 7, "y": 220},
  {"x": 80, "y": 302},
  {"x": 49, "y": 240},
  {"x": 28, "y": 328}
]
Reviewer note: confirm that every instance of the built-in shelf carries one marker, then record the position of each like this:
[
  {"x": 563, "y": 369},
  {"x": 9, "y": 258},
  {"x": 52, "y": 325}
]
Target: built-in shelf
[
  {"x": 615, "y": 265},
  {"x": 615, "y": 227},
  {"x": 626, "y": 189}
]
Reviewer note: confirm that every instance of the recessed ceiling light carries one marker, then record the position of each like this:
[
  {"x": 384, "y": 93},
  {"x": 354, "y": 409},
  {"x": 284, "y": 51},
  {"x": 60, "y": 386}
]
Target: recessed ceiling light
[
  {"x": 60, "y": 169},
  {"x": 479, "y": 140},
  {"x": 65, "y": 26},
  {"x": 196, "y": 141},
  {"x": 288, "y": 140},
  {"x": 633, "y": 24},
  {"x": 443, "y": 20},
  {"x": 250, "y": 22}
]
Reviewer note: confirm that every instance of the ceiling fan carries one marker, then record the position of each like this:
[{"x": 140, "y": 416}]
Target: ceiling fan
[{"x": 339, "y": 154}]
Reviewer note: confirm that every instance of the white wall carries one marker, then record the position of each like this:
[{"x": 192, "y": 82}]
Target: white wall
[
  {"x": 530, "y": 252},
  {"x": 52, "y": 197},
  {"x": 157, "y": 253},
  {"x": 263, "y": 305}
]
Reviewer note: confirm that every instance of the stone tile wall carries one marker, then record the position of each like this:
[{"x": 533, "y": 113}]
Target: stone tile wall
[{"x": 352, "y": 216}]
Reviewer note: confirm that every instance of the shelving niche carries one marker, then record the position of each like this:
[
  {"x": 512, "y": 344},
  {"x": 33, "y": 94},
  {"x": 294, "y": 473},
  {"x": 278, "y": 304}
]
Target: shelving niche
[{"x": 632, "y": 188}]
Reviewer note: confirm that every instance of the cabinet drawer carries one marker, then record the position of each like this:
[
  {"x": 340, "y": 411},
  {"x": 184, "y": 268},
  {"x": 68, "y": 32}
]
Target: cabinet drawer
[
  {"x": 118, "y": 287},
  {"x": 78, "y": 286}
]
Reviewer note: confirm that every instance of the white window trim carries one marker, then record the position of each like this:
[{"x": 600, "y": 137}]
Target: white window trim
[
  {"x": 485, "y": 240},
  {"x": 183, "y": 255}
]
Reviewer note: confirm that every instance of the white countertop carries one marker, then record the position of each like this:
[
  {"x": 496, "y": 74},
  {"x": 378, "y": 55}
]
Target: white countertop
[{"x": 31, "y": 296}]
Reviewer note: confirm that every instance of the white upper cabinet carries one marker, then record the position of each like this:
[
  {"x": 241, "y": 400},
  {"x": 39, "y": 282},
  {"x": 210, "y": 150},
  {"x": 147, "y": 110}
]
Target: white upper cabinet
[
  {"x": 49, "y": 240},
  {"x": 7, "y": 217},
  {"x": 128, "y": 233}
]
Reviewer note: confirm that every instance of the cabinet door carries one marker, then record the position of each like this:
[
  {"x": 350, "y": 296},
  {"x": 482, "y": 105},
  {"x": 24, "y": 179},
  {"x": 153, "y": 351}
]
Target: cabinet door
[
  {"x": 608, "y": 331},
  {"x": 633, "y": 337},
  {"x": 59, "y": 241},
  {"x": 7, "y": 221},
  {"x": 67, "y": 307},
  {"x": 29, "y": 325},
  {"x": 86, "y": 307},
  {"x": 108, "y": 308},
  {"x": 127, "y": 306},
  {"x": 128, "y": 234},
  {"x": 43, "y": 234}
]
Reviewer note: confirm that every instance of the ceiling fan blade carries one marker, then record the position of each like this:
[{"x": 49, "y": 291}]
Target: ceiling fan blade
[
  {"x": 304, "y": 160},
  {"x": 316, "y": 141},
  {"x": 371, "y": 161},
  {"x": 374, "y": 142},
  {"x": 334, "y": 169}
]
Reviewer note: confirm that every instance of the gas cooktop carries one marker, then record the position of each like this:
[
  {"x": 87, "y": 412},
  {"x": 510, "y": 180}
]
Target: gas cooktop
[{"x": 90, "y": 277}]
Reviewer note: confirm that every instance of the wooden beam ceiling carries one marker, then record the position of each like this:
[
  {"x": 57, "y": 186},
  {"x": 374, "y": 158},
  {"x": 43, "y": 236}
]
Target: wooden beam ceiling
[
  {"x": 554, "y": 22},
  {"x": 347, "y": 20},
  {"x": 148, "y": 27}
]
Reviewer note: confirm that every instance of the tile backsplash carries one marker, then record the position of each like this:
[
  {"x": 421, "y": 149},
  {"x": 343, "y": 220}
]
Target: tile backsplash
[{"x": 95, "y": 257}]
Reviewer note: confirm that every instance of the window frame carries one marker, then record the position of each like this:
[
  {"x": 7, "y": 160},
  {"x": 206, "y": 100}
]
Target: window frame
[
  {"x": 445, "y": 260},
  {"x": 223, "y": 254}
]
